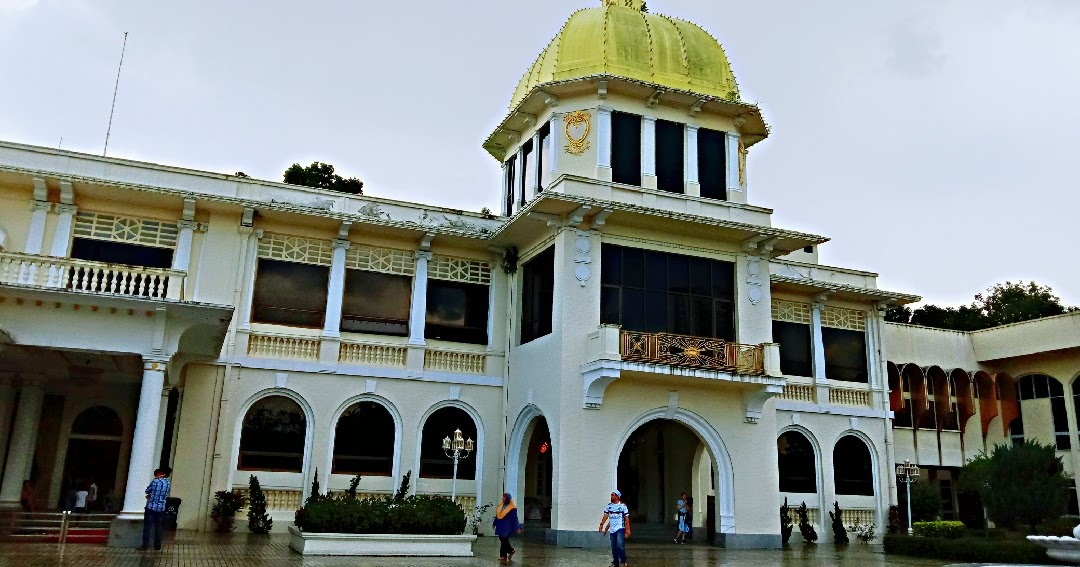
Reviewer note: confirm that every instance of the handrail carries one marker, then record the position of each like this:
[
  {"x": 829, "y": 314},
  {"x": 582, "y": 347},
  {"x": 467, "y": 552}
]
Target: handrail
[
  {"x": 690, "y": 351},
  {"x": 89, "y": 276}
]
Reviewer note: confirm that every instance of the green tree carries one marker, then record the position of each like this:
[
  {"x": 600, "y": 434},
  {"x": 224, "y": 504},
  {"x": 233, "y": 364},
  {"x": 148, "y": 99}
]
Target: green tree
[
  {"x": 1000, "y": 305},
  {"x": 322, "y": 175},
  {"x": 900, "y": 314},
  {"x": 925, "y": 501},
  {"x": 259, "y": 522},
  {"x": 1024, "y": 484}
]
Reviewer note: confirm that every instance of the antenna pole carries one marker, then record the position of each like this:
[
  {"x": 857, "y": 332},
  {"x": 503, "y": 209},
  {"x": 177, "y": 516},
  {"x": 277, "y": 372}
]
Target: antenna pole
[{"x": 115, "y": 89}]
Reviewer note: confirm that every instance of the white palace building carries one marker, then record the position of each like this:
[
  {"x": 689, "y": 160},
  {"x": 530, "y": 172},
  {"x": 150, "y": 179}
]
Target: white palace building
[{"x": 630, "y": 319}]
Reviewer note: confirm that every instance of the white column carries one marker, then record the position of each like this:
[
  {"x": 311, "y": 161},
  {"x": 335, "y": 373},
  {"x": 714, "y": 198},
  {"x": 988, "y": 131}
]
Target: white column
[
  {"x": 603, "y": 138},
  {"x": 163, "y": 414},
  {"x": 817, "y": 344},
  {"x": 538, "y": 150},
  {"x": 648, "y": 146},
  {"x": 506, "y": 191},
  {"x": 691, "y": 171},
  {"x": 62, "y": 238},
  {"x": 248, "y": 289},
  {"x": 556, "y": 135},
  {"x": 23, "y": 442},
  {"x": 35, "y": 237},
  {"x": 732, "y": 161},
  {"x": 519, "y": 176},
  {"x": 336, "y": 290},
  {"x": 418, "y": 309},
  {"x": 141, "y": 466},
  {"x": 182, "y": 254}
]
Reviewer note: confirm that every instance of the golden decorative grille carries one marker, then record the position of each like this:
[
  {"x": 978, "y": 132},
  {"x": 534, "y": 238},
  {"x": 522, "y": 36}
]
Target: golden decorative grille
[
  {"x": 385, "y": 260},
  {"x": 696, "y": 352},
  {"x": 459, "y": 269},
  {"x": 100, "y": 226},
  {"x": 296, "y": 249},
  {"x": 791, "y": 311},
  {"x": 840, "y": 318}
]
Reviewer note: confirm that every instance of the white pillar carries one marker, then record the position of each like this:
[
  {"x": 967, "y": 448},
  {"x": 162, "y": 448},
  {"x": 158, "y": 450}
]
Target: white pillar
[
  {"x": 732, "y": 160},
  {"x": 817, "y": 344},
  {"x": 141, "y": 466},
  {"x": 163, "y": 414},
  {"x": 506, "y": 191},
  {"x": 248, "y": 289},
  {"x": 519, "y": 178},
  {"x": 336, "y": 290},
  {"x": 418, "y": 309},
  {"x": 538, "y": 151},
  {"x": 603, "y": 138},
  {"x": 182, "y": 254},
  {"x": 35, "y": 236},
  {"x": 62, "y": 237},
  {"x": 23, "y": 443},
  {"x": 691, "y": 163},
  {"x": 7, "y": 406},
  {"x": 556, "y": 135},
  {"x": 648, "y": 146}
]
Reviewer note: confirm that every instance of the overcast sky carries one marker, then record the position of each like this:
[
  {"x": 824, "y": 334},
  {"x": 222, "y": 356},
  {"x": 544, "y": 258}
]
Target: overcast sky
[{"x": 934, "y": 141}]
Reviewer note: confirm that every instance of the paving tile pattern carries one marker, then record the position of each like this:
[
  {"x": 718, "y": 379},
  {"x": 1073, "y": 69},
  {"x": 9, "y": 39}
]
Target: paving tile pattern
[{"x": 243, "y": 550}]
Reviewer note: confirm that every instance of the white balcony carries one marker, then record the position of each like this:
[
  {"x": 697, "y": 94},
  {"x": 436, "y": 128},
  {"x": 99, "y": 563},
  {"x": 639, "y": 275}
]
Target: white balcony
[{"x": 86, "y": 276}]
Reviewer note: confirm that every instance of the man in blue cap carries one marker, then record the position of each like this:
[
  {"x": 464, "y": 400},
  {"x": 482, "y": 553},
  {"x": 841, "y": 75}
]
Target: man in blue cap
[{"x": 616, "y": 522}]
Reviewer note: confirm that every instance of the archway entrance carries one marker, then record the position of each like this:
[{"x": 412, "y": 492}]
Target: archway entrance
[
  {"x": 93, "y": 454},
  {"x": 536, "y": 499},
  {"x": 659, "y": 461}
]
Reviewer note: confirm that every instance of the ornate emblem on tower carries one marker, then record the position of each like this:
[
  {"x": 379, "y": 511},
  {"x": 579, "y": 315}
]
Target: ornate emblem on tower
[{"x": 577, "y": 132}]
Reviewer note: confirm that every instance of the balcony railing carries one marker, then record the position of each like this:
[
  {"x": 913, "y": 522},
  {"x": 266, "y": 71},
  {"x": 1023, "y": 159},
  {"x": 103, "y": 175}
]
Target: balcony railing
[
  {"x": 694, "y": 352},
  {"x": 86, "y": 276}
]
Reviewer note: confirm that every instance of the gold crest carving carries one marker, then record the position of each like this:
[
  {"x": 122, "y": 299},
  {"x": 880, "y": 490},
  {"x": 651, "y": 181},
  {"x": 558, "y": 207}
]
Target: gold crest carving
[{"x": 577, "y": 132}]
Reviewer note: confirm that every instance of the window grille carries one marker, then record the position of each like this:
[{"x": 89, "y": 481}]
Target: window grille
[
  {"x": 790, "y": 311},
  {"x": 385, "y": 260},
  {"x": 100, "y": 226},
  {"x": 296, "y": 249},
  {"x": 459, "y": 270},
  {"x": 840, "y": 318}
]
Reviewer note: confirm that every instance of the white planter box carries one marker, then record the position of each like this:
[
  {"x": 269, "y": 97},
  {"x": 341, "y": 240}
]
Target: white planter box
[{"x": 381, "y": 544}]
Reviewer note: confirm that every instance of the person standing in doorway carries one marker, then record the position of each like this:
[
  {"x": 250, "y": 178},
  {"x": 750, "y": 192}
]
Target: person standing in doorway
[
  {"x": 680, "y": 517},
  {"x": 80, "y": 500},
  {"x": 156, "y": 493},
  {"x": 616, "y": 522},
  {"x": 91, "y": 498},
  {"x": 506, "y": 524},
  {"x": 690, "y": 517}
]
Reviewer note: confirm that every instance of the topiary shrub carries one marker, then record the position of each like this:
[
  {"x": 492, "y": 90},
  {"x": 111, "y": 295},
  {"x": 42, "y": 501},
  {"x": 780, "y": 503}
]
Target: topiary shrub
[
  {"x": 940, "y": 528},
  {"x": 807, "y": 530},
  {"x": 223, "y": 513},
  {"x": 968, "y": 549},
  {"x": 259, "y": 522},
  {"x": 838, "y": 529},
  {"x": 785, "y": 523}
]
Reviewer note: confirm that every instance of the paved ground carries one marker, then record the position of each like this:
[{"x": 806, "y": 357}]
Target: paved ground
[{"x": 242, "y": 550}]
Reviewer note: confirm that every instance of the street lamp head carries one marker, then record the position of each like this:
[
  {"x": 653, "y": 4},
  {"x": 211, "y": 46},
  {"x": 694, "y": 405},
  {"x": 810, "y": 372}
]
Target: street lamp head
[
  {"x": 446, "y": 443},
  {"x": 457, "y": 435},
  {"x": 470, "y": 445}
]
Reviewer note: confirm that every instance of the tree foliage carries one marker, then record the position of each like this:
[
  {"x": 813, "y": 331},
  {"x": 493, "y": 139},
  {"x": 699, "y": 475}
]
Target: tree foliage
[
  {"x": 925, "y": 502},
  {"x": 322, "y": 176},
  {"x": 1021, "y": 484},
  {"x": 1001, "y": 304},
  {"x": 259, "y": 522}
]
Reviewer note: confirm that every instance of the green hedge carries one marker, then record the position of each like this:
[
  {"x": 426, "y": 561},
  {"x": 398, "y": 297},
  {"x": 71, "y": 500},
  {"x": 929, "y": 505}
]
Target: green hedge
[
  {"x": 969, "y": 549},
  {"x": 419, "y": 515},
  {"x": 940, "y": 528}
]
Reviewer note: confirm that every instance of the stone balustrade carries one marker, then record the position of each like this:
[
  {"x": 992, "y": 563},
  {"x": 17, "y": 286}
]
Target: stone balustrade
[
  {"x": 85, "y": 276},
  {"x": 798, "y": 393},
  {"x": 454, "y": 361},
  {"x": 849, "y": 397},
  {"x": 373, "y": 354},
  {"x": 280, "y": 346}
]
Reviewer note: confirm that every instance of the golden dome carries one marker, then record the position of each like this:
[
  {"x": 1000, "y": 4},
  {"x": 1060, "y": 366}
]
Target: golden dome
[{"x": 628, "y": 42}]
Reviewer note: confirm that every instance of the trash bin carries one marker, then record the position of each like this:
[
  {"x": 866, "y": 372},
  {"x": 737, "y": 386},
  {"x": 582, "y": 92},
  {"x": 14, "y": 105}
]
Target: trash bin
[{"x": 172, "y": 508}]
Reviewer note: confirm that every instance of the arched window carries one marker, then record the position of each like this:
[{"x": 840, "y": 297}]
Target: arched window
[
  {"x": 1040, "y": 386},
  {"x": 441, "y": 424},
  {"x": 797, "y": 463},
  {"x": 364, "y": 441},
  {"x": 273, "y": 436},
  {"x": 853, "y": 467},
  {"x": 98, "y": 420}
]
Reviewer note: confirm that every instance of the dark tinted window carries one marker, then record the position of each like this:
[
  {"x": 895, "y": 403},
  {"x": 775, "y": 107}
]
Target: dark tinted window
[
  {"x": 658, "y": 292},
  {"x": 273, "y": 436},
  {"x": 537, "y": 292},
  {"x": 121, "y": 253},
  {"x": 528, "y": 181},
  {"x": 670, "y": 156},
  {"x": 845, "y": 354},
  {"x": 364, "y": 441},
  {"x": 433, "y": 461},
  {"x": 853, "y": 467},
  {"x": 376, "y": 303},
  {"x": 626, "y": 148},
  {"x": 545, "y": 155},
  {"x": 797, "y": 463},
  {"x": 511, "y": 166},
  {"x": 457, "y": 311},
  {"x": 1039, "y": 386},
  {"x": 712, "y": 163},
  {"x": 795, "y": 355},
  {"x": 288, "y": 293}
]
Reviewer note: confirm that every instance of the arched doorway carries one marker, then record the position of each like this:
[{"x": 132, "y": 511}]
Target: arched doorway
[
  {"x": 536, "y": 497},
  {"x": 93, "y": 453},
  {"x": 661, "y": 459}
]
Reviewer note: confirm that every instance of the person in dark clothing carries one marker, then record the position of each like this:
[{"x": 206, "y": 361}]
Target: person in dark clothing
[
  {"x": 690, "y": 517},
  {"x": 506, "y": 524}
]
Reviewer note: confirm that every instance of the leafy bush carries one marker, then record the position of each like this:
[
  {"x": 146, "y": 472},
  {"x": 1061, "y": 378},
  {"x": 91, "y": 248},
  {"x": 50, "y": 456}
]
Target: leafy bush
[
  {"x": 968, "y": 549},
  {"x": 259, "y": 522},
  {"x": 1060, "y": 527},
  {"x": 838, "y": 529},
  {"x": 940, "y": 528},
  {"x": 226, "y": 505},
  {"x": 807, "y": 530},
  {"x": 785, "y": 522},
  {"x": 925, "y": 502},
  {"x": 1025, "y": 484},
  {"x": 866, "y": 534}
]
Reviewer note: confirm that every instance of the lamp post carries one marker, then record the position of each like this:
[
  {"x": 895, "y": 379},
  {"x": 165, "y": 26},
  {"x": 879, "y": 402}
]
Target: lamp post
[
  {"x": 457, "y": 449},
  {"x": 907, "y": 473}
]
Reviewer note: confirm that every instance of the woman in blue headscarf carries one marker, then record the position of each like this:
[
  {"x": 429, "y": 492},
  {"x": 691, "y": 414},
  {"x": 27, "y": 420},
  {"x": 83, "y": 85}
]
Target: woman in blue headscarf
[{"x": 506, "y": 524}]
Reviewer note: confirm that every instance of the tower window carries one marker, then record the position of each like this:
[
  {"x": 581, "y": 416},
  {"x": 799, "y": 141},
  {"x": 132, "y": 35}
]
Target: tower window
[
  {"x": 528, "y": 166},
  {"x": 670, "y": 155},
  {"x": 545, "y": 156},
  {"x": 537, "y": 295},
  {"x": 511, "y": 165},
  {"x": 626, "y": 148},
  {"x": 712, "y": 163}
]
